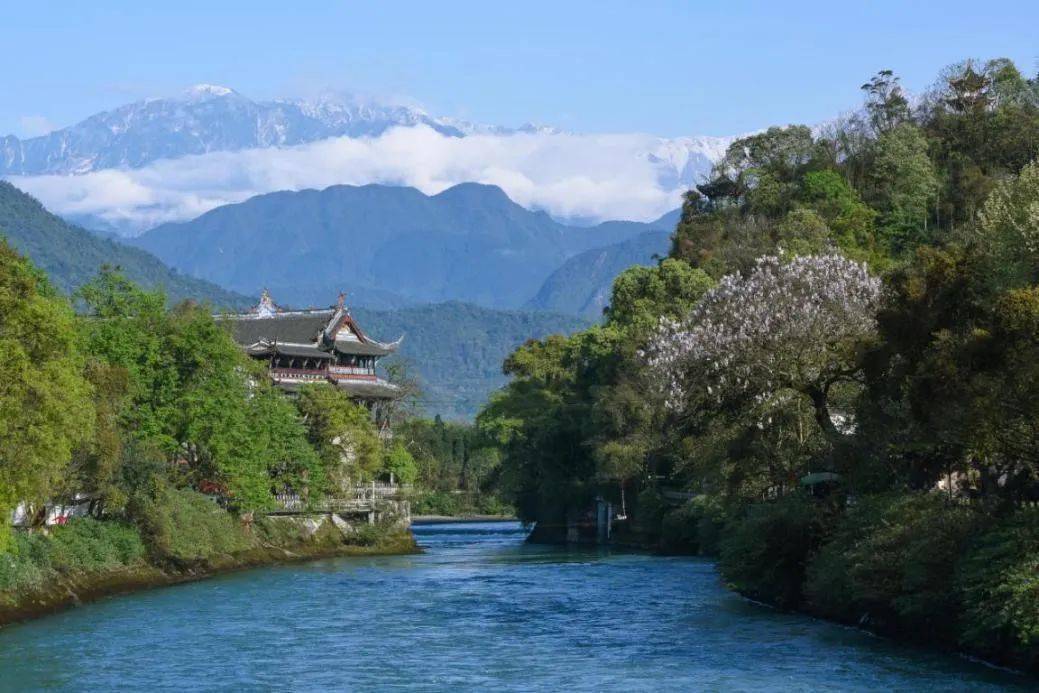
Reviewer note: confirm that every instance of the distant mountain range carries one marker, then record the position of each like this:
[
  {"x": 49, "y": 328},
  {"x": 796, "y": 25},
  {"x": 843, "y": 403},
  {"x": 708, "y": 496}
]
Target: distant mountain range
[
  {"x": 206, "y": 118},
  {"x": 209, "y": 118},
  {"x": 410, "y": 262},
  {"x": 393, "y": 246},
  {"x": 169, "y": 159},
  {"x": 71, "y": 256}
]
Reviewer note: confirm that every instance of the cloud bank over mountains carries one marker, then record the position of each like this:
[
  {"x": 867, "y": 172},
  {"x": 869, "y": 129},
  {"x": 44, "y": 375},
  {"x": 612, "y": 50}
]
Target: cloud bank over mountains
[{"x": 131, "y": 175}]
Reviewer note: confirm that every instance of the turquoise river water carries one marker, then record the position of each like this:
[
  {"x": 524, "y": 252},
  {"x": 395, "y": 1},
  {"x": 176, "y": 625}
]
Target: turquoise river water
[{"x": 479, "y": 610}]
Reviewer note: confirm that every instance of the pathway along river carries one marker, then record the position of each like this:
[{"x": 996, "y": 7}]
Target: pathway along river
[{"x": 479, "y": 610}]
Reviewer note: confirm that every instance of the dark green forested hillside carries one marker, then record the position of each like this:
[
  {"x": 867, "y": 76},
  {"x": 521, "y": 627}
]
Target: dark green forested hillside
[
  {"x": 72, "y": 256},
  {"x": 456, "y": 349}
]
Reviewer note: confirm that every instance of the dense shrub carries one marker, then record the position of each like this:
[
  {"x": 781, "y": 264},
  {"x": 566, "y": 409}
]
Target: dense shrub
[
  {"x": 649, "y": 511},
  {"x": 694, "y": 527},
  {"x": 998, "y": 582},
  {"x": 765, "y": 550},
  {"x": 25, "y": 562},
  {"x": 183, "y": 525},
  {"x": 890, "y": 562},
  {"x": 436, "y": 503},
  {"x": 456, "y": 504},
  {"x": 84, "y": 545}
]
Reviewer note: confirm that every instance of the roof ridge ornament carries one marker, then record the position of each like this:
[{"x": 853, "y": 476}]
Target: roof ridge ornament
[{"x": 266, "y": 308}]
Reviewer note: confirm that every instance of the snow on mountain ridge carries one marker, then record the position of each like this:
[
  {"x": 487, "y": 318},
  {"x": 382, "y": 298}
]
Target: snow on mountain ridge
[
  {"x": 210, "y": 118},
  {"x": 171, "y": 159},
  {"x": 208, "y": 90}
]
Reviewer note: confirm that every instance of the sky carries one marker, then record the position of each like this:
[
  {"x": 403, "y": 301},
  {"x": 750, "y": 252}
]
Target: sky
[{"x": 666, "y": 68}]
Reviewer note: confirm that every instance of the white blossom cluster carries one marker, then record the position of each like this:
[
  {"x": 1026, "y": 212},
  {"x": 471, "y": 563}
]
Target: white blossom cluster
[
  {"x": 785, "y": 325},
  {"x": 1014, "y": 204}
]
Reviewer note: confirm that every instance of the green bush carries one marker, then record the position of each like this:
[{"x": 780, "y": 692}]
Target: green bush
[
  {"x": 367, "y": 535},
  {"x": 436, "y": 503},
  {"x": 84, "y": 545},
  {"x": 649, "y": 511},
  {"x": 458, "y": 504},
  {"x": 891, "y": 562},
  {"x": 183, "y": 525},
  {"x": 489, "y": 504},
  {"x": 828, "y": 581},
  {"x": 694, "y": 527},
  {"x": 25, "y": 562},
  {"x": 765, "y": 550},
  {"x": 998, "y": 582}
]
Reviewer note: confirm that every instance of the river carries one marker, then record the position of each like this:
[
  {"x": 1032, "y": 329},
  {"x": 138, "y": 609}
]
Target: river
[{"x": 480, "y": 609}]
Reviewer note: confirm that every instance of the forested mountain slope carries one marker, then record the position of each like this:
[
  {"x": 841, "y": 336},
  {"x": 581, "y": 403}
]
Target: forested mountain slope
[
  {"x": 72, "y": 256},
  {"x": 387, "y": 246},
  {"x": 456, "y": 349},
  {"x": 582, "y": 285}
]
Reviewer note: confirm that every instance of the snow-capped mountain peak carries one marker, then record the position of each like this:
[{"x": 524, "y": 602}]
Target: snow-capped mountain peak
[{"x": 205, "y": 91}]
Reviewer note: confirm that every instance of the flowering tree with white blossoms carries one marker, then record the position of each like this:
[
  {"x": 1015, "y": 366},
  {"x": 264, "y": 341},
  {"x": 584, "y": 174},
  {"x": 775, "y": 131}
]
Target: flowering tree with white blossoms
[
  {"x": 785, "y": 326},
  {"x": 1013, "y": 209}
]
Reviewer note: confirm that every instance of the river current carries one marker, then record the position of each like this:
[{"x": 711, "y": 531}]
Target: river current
[{"x": 478, "y": 610}]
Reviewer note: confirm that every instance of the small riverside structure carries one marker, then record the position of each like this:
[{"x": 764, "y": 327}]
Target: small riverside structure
[{"x": 371, "y": 503}]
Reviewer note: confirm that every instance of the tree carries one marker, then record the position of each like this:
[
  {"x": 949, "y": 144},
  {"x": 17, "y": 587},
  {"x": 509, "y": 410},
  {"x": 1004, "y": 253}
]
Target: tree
[
  {"x": 850, "y": 221},
  {"x": 792, "y": 326},
  {"x": 642, "y": 294},
  {"x": 192, "y": 394},
  {"x": 906, "y": 185},
  {"x": 45, "y": 405},
  {"x": 128, "y": 328},
  {"x": 97, "y": 466},
  {"x": 276, "y": 452},
  {"x": 343, "y": 434},
  {"x": 886, "y": 104},
  {"x": 759, "y": 170},
  {"x": 1010, "y": 217},
  {"x": 400, "y": 464}
]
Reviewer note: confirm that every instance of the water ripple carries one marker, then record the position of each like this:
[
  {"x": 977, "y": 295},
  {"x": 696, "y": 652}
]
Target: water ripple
[{"x": 479, "y": 610}]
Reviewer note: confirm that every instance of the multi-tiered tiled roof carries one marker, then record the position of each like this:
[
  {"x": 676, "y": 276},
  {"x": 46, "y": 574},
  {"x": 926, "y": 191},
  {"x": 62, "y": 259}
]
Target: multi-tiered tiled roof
[{"x": 314, "y": 345}]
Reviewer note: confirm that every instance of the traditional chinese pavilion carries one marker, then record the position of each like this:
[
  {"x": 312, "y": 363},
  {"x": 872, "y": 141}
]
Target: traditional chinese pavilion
[{"x": 315, "y": 346}]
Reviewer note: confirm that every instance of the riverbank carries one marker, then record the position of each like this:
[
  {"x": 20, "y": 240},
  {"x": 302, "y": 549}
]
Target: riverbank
[{"x": 275, "y": 541}]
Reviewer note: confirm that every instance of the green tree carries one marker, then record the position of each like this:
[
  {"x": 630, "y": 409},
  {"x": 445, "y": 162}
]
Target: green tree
[
  {"x": 400, "y": 464},
  {"x": 45, "y": 401},
  {"x": 886, "y": 103},
  {"x": 343, "y": 435},
  {"x": 906, "y": 185},
  {"x": 1009, "y": 227},
  {"x": 641, "y": 295},
  {"x": 192, "y": 394},
  {"x": 97, "y": 466}
]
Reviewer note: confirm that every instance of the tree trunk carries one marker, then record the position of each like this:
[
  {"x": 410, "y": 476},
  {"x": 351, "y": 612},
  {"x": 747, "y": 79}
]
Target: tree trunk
[{"x": 820, "y": 402}]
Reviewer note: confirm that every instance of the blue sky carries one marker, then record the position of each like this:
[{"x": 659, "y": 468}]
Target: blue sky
[{"x": 667, "y": 68}]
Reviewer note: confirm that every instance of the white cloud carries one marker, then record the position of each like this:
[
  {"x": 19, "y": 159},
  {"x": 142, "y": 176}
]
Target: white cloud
[
  {"x": 625, "y": 176},
  {"x": 35, "y": 125}
]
